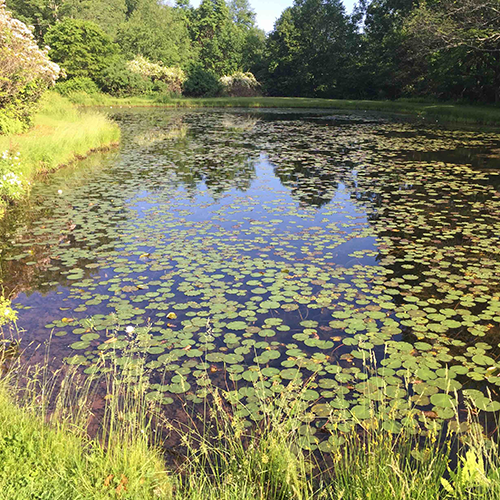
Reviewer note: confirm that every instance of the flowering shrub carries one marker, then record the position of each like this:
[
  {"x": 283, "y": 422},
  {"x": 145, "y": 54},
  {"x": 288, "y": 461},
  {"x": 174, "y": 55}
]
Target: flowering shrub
[
  {"x": 25, "y": 69},
  {"x": 240, "y": 85},
  {"x": 173, "y": 77},
  {"x": 12, "y": 185}
]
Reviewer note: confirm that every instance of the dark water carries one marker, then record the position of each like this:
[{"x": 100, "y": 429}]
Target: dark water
[{"x": 251, "y": 249}]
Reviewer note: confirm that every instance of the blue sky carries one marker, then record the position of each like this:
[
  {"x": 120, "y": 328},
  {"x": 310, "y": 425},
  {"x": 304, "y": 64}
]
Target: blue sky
[{"x": 269, "y": 10}]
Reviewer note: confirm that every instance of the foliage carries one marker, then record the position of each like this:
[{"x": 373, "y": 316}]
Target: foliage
[
  {"x": 462, "y": 41},
  {"x": 41, "y": 14},
  {"x": 240, "y": 85},
  {"x": 25, "y": 72},
  {"x": 108, "y": 15},
  {"x": 386, "y": 49},
  {"x": 118, "y": 80},
  {"x": 254, "y": 56},
  {"x": 309, "y": 48},
  {"x": 79, "y": 84},
  {"x": 157, "y": 32},
  {"x": 80, "y": 47},
  {"x": 173, "y": 77},
  {"x": 201, "y": 82},
  {"x": 219, "y": 40}
]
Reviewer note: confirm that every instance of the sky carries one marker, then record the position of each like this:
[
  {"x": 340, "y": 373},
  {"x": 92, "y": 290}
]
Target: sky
[{"x": 269, "y": 10}]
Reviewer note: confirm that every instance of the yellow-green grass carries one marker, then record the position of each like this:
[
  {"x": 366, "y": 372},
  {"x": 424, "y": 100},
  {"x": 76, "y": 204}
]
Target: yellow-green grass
[
  {"x": 60, "y": 134},
  {"x": 446, "y": 112},
  {"x": 52, "y": 458}
]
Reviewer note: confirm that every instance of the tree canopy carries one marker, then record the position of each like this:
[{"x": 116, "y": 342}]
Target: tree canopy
[{"x": 444, "y": 49}]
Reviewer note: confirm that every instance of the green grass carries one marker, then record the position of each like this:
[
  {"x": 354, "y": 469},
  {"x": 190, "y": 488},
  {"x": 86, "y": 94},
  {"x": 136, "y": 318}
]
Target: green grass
[
  {"x": 51, "y": 457},
  {"x": 48, "y": 454},
  {"x": 60, "y": 134},
  {"x": 454, "y": 113}
]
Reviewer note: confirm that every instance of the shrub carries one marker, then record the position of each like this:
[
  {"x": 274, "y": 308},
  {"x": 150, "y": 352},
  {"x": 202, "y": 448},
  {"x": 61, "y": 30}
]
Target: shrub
[
  {"x": 118, "y": 80},
  {"x": 81, "y": 47},
  {"x": 81, "y": 84},
  {"x": 240, "y": 85},
  {"x": 201, "y": 82},
  {"x": 172, "y": 78},
  {"x": 25, "y": 72}
]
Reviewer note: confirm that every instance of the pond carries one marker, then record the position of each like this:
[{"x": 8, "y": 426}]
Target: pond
[{"x": 356, "y": 255}]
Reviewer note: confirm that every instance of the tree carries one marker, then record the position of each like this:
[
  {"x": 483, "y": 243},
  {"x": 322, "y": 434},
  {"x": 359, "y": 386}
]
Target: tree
[
  {"x": 81, "y": 47},
  {"x": 157, "y": 32},
  {"x": 108, "y": 15},
  {"x": 309, "y": 48},
  {"x": 464, "y": 38},
  {"x": 253, "y": 52},
  {"x": 385, "y": 67},
  {"x": 242, "y": 13},
  {"x": 219, "y": 40},
  {"x": 41, "y": 14}
]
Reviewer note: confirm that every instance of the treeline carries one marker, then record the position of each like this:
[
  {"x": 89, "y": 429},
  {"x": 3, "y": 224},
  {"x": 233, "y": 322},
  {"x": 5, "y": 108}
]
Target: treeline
[{"x": 385, "y": 49}]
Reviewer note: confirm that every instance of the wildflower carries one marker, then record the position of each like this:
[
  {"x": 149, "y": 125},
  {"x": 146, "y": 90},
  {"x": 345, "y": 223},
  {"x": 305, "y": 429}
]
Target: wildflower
[
  {"x": 130, "y": 329},
  {"x": 59, "y": 191}
]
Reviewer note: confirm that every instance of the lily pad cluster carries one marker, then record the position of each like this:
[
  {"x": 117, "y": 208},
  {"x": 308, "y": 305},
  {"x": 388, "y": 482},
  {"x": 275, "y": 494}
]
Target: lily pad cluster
[{"x": 344, "y": 259}]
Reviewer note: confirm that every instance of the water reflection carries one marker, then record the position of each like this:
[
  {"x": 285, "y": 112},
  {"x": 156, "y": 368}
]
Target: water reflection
[{"x": 300, "y": 240}]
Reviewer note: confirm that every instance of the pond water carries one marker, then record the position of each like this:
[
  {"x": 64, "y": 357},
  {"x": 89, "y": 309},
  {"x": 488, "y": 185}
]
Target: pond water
[{"x": 251, "y": 249}]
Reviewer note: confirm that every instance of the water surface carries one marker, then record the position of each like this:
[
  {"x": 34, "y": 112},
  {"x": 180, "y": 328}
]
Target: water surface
[{"x": 251, "y": 249}]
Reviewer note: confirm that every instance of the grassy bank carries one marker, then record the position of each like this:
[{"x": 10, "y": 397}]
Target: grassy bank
[
  {"x": 485, "y": 115},
  {"x": 219, "y": 457},
  {"x": 60, "y": 134}
]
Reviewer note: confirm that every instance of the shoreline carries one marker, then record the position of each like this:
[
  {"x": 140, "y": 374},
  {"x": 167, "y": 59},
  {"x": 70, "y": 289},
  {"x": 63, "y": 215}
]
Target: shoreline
[
  {"x": 445, "y": 112},
  {"x": 61, "y": 134}
]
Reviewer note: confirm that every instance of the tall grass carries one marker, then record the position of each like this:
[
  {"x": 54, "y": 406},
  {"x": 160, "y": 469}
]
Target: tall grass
[
  {"x": 60, "y": 134},
  {"x": 46, "y": 451},
  {"x": 447, "y": 112}
]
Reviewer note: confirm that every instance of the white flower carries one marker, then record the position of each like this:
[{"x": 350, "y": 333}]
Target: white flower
[
  {"x": 130, "y": 329},
  {"x": 59, "y": 191}
]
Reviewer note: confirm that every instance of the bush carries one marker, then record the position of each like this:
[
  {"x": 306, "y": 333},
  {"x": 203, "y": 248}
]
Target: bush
[
  {"x": 240, "y": 85},
  {"x": 82, "y": 84},
  {"x": 118, "y": 80},
  {"x": 201, "y": 83},
  {"x": 10, "y": 122},
  {"x": 172, "y": 78},
  {"x": 25, "y": 72},
  {"x": 81, "y": 47}
]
